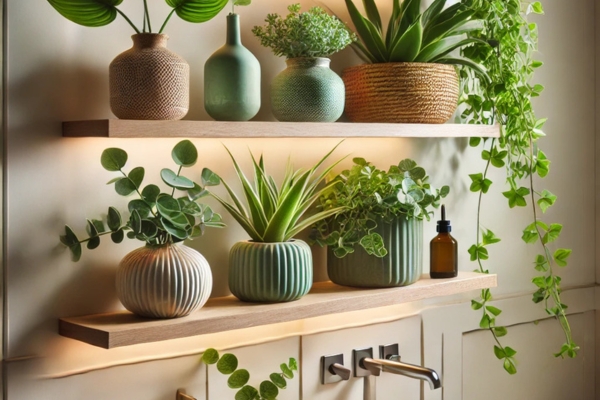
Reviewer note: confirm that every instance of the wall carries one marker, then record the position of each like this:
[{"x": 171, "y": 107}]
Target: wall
[{"x": 58, "y": 71}]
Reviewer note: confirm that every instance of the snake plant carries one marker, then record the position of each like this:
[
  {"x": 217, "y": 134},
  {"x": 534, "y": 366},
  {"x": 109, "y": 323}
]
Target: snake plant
[
  {"x": 94, "y": 13},
  {"x": 276, "y": 213},
  {"x": 412, "y": 36}
]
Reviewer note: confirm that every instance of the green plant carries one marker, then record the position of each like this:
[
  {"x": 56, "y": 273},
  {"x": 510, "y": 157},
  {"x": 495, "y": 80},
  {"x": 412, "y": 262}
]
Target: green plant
[
  {"x": 227, "y": 364},
  {"x": 506, "y": 100},
  {"x": 276, "y": 213},
  {"x": 313, "y": 33},
  {"x": 429, "y": 37},
  {"x": 367, "y": 195},
  {"x": 96, "y": 13},
  {"x": 155, "y": 218}
]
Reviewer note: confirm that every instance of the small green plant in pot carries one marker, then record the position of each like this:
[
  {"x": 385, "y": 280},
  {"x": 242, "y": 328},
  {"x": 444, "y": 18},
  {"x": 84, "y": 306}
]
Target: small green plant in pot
[
  {"x": 181, "y": 277},
  {"x": 377, "y": 238},
  {"x": 272, "y": 266},
  {"x": 307, "y": 90},
  {"x": 414, "y": 56}
]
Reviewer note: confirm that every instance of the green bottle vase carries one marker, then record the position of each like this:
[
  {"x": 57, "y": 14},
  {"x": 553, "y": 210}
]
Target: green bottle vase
[
  {"x": 402, "y": 266},
  {"x": 270, "y": 272},
  {"x": 232, "y": 79},
  {"x": 307, "y": 91}
]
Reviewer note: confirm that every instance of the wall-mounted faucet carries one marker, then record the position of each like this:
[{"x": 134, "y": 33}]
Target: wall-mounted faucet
[{"x": 365, "y": 365}]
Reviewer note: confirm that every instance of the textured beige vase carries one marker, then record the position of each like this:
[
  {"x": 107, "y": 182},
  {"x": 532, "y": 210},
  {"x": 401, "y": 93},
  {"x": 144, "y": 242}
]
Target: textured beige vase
[
  {"x": 165, "y": 281},
  {"x": 401, "y": 92},
  {"x": 149, "y": 81}
]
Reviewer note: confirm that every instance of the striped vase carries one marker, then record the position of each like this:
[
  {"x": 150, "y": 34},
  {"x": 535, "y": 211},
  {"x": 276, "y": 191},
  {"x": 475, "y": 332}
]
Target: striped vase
[
  {"x": 403, "y": 265},
  {"x": 270, "y": 272},
  {"x": 166, "y": 281}
]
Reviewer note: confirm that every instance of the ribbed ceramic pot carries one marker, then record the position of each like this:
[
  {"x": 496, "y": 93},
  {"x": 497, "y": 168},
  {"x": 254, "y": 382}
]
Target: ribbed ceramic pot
[
  {"x": 149, "y": 81},
  {"x": 270, "y": 272},
  {"x": 403, "y": 265},
  {"x": 166, "y": 281},
  {"x": 232, "y": 79},
  {"x": 401, "y": 92},
  {"x": 307, "y": 91}
]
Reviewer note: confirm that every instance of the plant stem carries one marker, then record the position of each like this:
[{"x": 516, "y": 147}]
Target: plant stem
[
  {"x": 166, "y": 20},
  {"x": 147, "y": 16},
  {"x": 100, "y": 234},
  {"x": 128, "y": 20}
]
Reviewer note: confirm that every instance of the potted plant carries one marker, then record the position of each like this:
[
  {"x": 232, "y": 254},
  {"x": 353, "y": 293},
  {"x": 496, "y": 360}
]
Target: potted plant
[
  {"x": 147, "y": 81},
  {"x": 307, "y": 90},
  {"x": 377, "y": 238},
  {"x": 163, "y": 279},
  {"x": 273, "y": 266},
  {"x": 406, "y": 77}
]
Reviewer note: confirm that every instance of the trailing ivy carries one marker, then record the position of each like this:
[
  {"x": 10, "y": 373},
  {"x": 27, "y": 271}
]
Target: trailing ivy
[{"x": 506, "y": 100}]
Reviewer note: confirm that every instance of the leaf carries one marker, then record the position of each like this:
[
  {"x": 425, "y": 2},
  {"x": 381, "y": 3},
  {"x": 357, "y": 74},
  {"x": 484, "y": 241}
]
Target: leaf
[
  {"x": 140, "y": 205},
  {"x": 197, "y": 11},
  {"x": 561, "y": 256},
  {"x": 137, "y": 176},
  {"x": 92, "y": 13},
  {"x": 373, "y": 245},
  {"x": 493, "y": 310},
  {"x": 75, "y": 252},
  {"x": 117, "y": 236},
  {"x": 209, "y": 178},
  {"x": 293, "y": 364},
  {"x": 433, "y": 10},
  {"x": 278, "y": 380},
  {"x": 246, "y": 393},
  {"x": 149, "y": 228},
  {"x": 552, "y": 234},
  {"x": 408, "y": 46},
  {"x": 112, "y": 159},
  {"x": 114, "y": 219},
  {"x": 368, "y": 33},
  {"x": 69, "y": 239},
  {"x": 238, "y": 379},
  {"x": 150, "y": 193},
  {"x": 268, "y": 390},
  {"x": 509, "y": 366},
  {"x": 516, "y": 197},
  {"x": 173, "y": 180},
  {"x": 136, "y": 222},
  {"x": 489, "y": 237},
  {"x": 478, "y": 253},
  {"x": 546, "y": 200},
  {"x": 475, "y": 305},
  {"x": 125, "y": 187},
  {"x": 210, "y": 356},
  {"x": 499, "y": 352},
  {"x": 242, "y": 2},
  {"x": 185, "y": 153},
  {"x": 93, "y": 243},
  {"x": 287, "y": 372},
  {"x": 227, "y": 364},
  {"x": 373, "y": 14},
  {"x": 500, "y": 331},
  {"x": 407, "y": 165},
  {"x": 541, "y": 263}
]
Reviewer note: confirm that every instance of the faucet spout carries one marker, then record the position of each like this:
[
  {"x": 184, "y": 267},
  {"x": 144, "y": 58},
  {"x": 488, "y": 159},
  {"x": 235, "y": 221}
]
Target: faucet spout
[{"x": 376, "y": 366}]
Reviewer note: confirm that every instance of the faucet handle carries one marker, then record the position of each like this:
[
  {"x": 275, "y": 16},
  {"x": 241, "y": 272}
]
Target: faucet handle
[
  {"x": 333, "y": 370},
  {"x": 340, "y": 370},
  {"x": 181, "y": 395},
  {"x": 390, "y": 352}
]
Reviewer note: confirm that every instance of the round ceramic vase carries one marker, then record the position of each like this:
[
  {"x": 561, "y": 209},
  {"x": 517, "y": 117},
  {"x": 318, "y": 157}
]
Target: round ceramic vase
[
  {"x": 270, "y": 272},
  {"x": 166, "y": 281},
  {"x": 403, "y": 265},
  {"x": 232, "y": 79},
  {"x": 307, "y": 91},
  {"x": 149, "y": 81}
]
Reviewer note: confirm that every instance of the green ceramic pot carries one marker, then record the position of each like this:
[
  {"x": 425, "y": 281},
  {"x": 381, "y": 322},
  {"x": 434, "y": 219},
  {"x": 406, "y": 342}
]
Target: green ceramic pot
[
  {"x": 232, "y": 79},
  {"x": 403, "y": 265},
  {"x": 270, "y": 272},
  {"x": 307, "y": 91}
]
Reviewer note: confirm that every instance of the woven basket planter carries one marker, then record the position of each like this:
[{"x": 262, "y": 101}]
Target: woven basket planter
[{"x": 425, "y": 93}]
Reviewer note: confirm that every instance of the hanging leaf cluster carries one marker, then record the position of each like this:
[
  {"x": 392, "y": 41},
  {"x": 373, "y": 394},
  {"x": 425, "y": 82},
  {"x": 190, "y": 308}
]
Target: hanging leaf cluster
[
  {"x": 227, "y": 364},
  {"x": 155, "y": 217}
]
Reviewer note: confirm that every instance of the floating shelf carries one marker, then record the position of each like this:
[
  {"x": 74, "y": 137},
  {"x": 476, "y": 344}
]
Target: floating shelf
[
  {"x": 119, "y": 128},
  {"x": 227, "y": 313}
]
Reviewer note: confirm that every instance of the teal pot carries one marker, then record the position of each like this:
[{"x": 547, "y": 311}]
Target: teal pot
[
  {"x": 149, "y": 81},
  {"x": 307, "y": 91},
  {"x": 232, "y": 79},
  {"x": 270, "y": 272},
  {"x": 166, "y": 281},
  {"x": 403, "y": 265}
]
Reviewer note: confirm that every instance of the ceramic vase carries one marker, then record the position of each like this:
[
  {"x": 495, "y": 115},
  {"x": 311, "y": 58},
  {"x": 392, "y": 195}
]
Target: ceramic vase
[
  {"x": 149, "y": 81},
  {"x": 165, "y": 281},
  {"x": 232, "y": 79},
  {"x": 307, "y": 91},
  {"x": 402, "y": 266},
  {"x": 270, "y": 272}
]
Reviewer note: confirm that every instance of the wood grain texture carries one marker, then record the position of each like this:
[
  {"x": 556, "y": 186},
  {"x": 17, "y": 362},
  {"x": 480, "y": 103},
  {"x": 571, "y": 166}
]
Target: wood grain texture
[
  {"x": 119, "y": 128},
  {"x": 228, "y": 313}
]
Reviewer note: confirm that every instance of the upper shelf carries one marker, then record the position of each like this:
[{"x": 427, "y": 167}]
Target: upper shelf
[
  {"x": 120, "y": 128},
  {"x": 227, "y": 313}
]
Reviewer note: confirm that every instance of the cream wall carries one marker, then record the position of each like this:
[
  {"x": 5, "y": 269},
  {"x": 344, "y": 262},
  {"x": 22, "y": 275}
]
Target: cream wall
[{"x": 58, "y": 71}]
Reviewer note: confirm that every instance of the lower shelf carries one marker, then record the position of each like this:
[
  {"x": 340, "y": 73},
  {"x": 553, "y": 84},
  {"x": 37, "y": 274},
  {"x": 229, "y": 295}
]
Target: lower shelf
[{"x": 227, "y": 313}]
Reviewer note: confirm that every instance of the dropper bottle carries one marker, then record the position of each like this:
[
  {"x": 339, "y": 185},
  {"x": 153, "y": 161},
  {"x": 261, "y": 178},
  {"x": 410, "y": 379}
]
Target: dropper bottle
[{"x": 443, "y": 251}]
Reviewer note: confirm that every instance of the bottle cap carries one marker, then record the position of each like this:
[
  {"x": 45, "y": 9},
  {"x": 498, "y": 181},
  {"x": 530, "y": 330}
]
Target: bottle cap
[{"x": 443, "y": 226}]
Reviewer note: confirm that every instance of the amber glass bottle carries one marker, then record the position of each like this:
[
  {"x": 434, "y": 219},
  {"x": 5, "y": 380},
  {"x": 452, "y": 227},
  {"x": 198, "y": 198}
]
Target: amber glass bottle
[{"x": 443, "y": 251}]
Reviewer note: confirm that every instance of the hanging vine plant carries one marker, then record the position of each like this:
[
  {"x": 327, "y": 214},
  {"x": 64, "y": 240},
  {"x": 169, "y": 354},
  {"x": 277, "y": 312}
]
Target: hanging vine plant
[{"x": 506, "y": 100}]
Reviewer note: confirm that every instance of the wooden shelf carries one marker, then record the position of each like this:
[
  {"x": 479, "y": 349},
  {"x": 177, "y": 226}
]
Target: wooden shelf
[
  {"x": 228, "y": 313},
  {"x": 119, "y": 128}
]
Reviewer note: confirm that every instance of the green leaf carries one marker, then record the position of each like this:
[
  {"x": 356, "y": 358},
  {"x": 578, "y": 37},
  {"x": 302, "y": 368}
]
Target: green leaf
[
  {"x": 173, "y": 180},
  {"x": 546, "y": 200},
  {"x": 510, "y": 352},
  {"x": 373, "y": 245},
  {"x": 136, "y": 222},
  {"x": 509, "y": 366},
  {"x": 149, "y": 228},
  {"x": 75, "y": 252},
  {"x": 489, "y": 237},
  {"x": 185, "y": 153},
  {"x": 197, "y": 11},
  {"x": 92, "y": 13},
  {"x": 516, "y": 197},
  {"x": 246, "y": 393},
  {"x": 293, "y": 364},
  {"x": 117, "y": 236},
  {"x": 552, "y": 234},
  {"x": 536, "y": 7},
  {"x": 278, "y": 380},
  {"x": 542, "y": 165},
  {"x": 475, "y": 305},
  {"x": 209, "y": 178},
  {"x": 268, "y": 390},
  {"x": 485, "y": 322},
  {"x": 150, "y": 193},
  {"x": 493, "y": 310},
  {"x": 530, "y": 235},
  {"x": 113, "y": 220},
  {"x": 500, "y": 331},
  {"x": 561, "y": 256},
  {"x": 140, "y": 205},
  {"x": 238, "y": 379},
  {"x": 478, "y": 252},
  {"x": 541, "y": 263},
  {"x": 242, "y": 2},
  {"x": 287, "y": 372},
  {"x": 210, "y": 356},
  {"x": 137, "y": 176},
  {"x": 479, "y": 183},
  {"x": 125, "y": 187},
  {"x": 69, "y": 239},
  {"x": 407, "y": 165},
  {"x": 499, "y": 352},
  {"x": 112, "y": 159},
  {"x": 368, "y": 33},
  {"x": 373, "y": 14},
  {"x": 227, "y": 364},
  {"x": 433, "y": 10},
  {"x": 409, "y": 44}
]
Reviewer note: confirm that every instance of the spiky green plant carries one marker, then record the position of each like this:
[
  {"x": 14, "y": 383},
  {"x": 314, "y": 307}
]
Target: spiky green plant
[
  {"x": 429, "y": 37},
  {"x": 275, "y": 214}
]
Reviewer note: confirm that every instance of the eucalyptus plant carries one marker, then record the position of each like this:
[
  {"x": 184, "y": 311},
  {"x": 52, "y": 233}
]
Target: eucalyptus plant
[
  {"x": 94, "y": 13},
  {"x": 227, "y": 364},
  {"x": 412, "y": 36},
  {"x": 313, "y": 33},
  {"x": 276, "y": 214},
  {"x": 155, "y": 217},
  {"x": 506, "y": 100},
  {"x": 368, "y": 196}
]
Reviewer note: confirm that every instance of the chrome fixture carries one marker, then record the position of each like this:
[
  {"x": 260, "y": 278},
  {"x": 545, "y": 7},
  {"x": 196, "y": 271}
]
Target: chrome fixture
[{"x": 333, "y": 370}]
